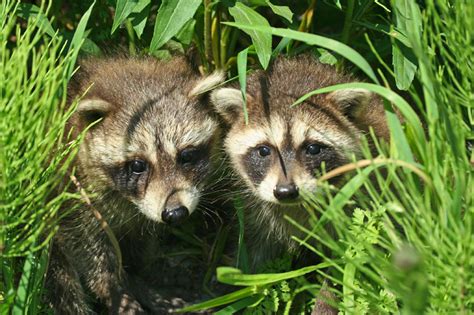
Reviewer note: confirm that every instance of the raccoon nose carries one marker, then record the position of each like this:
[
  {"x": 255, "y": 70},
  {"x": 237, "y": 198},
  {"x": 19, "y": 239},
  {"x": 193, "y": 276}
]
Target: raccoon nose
[
  {"x": 286, "y": 192},
  {"x": 175, "y": 216}
]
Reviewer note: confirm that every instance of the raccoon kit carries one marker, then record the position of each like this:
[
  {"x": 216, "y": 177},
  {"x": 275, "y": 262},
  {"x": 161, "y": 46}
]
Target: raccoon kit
[
  {"x": 145, "y": 160},
  {"x": 280, "y": 150}
]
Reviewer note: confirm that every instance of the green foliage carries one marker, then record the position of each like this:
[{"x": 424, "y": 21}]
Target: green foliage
[
  {"x": 406, "y": 247},
  {"x": 34, "y": 157}
]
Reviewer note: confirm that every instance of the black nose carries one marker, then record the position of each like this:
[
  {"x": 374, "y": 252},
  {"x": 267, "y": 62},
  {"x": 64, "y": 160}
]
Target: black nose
[
  {"x": 286, "y": 192},
  {"x": 175, "y": 216}
]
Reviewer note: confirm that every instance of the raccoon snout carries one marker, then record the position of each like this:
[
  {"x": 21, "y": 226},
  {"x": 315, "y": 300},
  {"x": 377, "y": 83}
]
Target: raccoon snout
[
  {"x": 175, "y": 216},
  {"x": 287, "y": 192}
]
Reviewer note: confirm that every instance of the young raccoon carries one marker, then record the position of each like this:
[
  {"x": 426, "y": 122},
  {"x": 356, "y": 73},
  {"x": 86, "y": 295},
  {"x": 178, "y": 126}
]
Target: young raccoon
[
  {"x": 146, "y": 159},
  {"x": 282, "y": 148}
]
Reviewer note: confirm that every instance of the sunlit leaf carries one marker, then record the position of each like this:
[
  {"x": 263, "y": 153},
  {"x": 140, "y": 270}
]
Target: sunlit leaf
[
  {"x": 262, "y": 41},
  {"x": 122, "y": 11},
  {"x": 281, "y": 10},
  {"x": 317, "y": 40},
  {"x": 139, "y": 16},
  {"x": 404, "y": 61},
  {"x": 30, "y": 11},
  {"x": 171, "y": 17}
]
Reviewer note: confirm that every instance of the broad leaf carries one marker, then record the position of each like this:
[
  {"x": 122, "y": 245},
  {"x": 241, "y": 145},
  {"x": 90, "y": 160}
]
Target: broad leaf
[
  {"x": 242, "y": 72},
  {"x": 404, "y": 61},
  {"x": 30, "y": 11},
  {"x": 78, "y": 38},
  {"x": 281, "y": 10},
  {"x": 139, "y": 16},
  {"x": 122, "y": 11},
  {"x": 172, "y": 15},
  {"x": 185, "y": 35},
  {"x": 262, "y": 41},
  {"x": 316, "y": 40}
]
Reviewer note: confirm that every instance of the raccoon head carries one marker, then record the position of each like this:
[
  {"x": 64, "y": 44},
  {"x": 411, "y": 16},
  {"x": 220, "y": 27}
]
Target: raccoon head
[
  {"x": 282, "y": 149},
  {"x": 153, "y": 136}
]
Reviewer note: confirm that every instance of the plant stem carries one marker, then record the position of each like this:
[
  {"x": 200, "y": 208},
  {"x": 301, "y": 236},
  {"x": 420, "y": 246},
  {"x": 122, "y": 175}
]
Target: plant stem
[
  {"x": 131, "y": 34},
  {"x": 207, "y": 33},
  {"x": 216, "y": 39},
  {"x": 346, "y": 31}
]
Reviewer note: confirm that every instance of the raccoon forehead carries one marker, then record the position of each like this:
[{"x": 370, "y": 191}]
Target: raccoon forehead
[
  {"x": 169, "y": 136},
  {"x": 238, "y": 143},
  {"x": 302, "y": 131},
  {"x": 273, "y": 131},
  {"x": 196, "y": 134},
  {"x": 279, "y": 132}
]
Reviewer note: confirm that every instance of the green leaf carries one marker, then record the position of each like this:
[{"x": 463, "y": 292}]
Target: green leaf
[
  {"x": 404, "y": 61},
  {"x": 29, "y": 11},
  {"x": 185, "y": 35},
  {"x": 262, "y": 41},
  {"x": 242, "y": 72},
  {"x": 326, "y": 57},
  {"x": 234, "y": 276},
  {"x": 122, "y": 11},
  {"x": 171, "y": 17},
  {"x": 91, "y": 48},
  {"x": 241, "y": 304},
  {"x": 222, "y": 300},
  {"x": 281, "y": 10},
  {"x": 139, "y": 16},
  {"x": 311, "y": 39},
  {"x": 78, "y": 39}
]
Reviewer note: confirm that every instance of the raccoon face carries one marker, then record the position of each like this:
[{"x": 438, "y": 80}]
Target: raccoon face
[
  {"x": 282, "y": 149},
  {"x": 152, "y": 147}
]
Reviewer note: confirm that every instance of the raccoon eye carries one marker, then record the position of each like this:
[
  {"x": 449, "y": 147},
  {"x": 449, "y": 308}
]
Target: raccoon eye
[
  {"x": 138, "y": 166},
  {"x": 264, "y": 150},
  {"x": 313, "y": 149},
  {"x": 189, "y": 156}
]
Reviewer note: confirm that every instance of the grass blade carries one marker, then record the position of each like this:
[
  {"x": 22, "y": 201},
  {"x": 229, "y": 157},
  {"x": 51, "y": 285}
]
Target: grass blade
[
  {"x": 234, "y": 276},
  {"x": 222, "y": 300}
]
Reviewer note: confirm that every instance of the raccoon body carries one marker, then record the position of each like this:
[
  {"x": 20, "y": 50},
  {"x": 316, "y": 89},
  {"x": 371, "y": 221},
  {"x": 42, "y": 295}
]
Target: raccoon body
[
  {"x": 144, "y": 160},
  {"x": 278, "y": 153}
]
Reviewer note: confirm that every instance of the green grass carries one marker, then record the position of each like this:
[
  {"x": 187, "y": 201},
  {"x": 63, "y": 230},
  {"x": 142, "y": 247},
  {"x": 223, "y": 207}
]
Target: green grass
[
  {"x": 33, "y": 112},
  {"x": 407, "y": 245}
]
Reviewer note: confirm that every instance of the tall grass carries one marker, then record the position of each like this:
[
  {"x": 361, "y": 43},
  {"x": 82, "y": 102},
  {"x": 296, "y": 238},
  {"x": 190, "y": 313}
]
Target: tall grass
[
  {"x": 402, "y": 226},
  {"x": 34, "y": 156}
]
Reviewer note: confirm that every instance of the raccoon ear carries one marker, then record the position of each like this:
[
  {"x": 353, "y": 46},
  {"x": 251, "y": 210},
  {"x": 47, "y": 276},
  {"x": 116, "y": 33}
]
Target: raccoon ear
[
  {"x": 207, "y": 83},
  {"x": 351, "y": 101},
  {"x": 91, "y": 110},
  {"x": 228, "y": 103}
]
